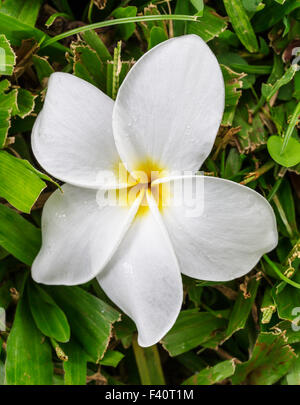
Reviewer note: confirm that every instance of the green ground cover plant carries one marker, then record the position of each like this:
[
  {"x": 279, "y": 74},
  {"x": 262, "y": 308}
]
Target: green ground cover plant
[{"x": 246, "y": 331}]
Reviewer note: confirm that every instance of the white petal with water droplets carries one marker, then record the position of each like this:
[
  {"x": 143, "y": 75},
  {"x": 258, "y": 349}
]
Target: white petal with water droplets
[
  {"x": 220, "y": 231},
  {"x": 170, "y": 106},
  {"x": 72, "y": 136},
  {"x": 143, "y": 279},
  {"x": 80, "y": 235}
]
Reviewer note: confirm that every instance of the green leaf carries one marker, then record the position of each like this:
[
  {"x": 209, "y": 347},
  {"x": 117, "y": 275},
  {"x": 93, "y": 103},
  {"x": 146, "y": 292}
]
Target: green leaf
[
  {"x": 15, "y": 31},
  {"x": 210, "y": 25},
  {"x": 272, "y": 14},
  {"x": 251, "y": 136},
  {"x": 269, "y": 90},
  {"x": 291, "y": 155},
  {"x": 270, "y": 360},
  {"x": 28, "y": 359},
  {"x": 198, "y": 4},
  {"x": 148, "y": 362},
  {"x": 233, "y": 84},
  {"x": 253, "y": 5},
  {"x": 267, "y": 307},
  {"x": 212, "y": 375},
  {"x": 42, "y": 67},
  {"x": 124, "y": 12},
  {"x": 18, "y": 236},
  {"x": 49, "y": 318},
  {"x": 25, "y": 11},
  {"x": 75, "y": 366},
  {"x": 96, "y": 43},
  {"x": 191, "y": 329},
  {"x": 19, "y": 185},
  {"x": 89, "y": 317},
  {"x": 4, "y": 125},
  {"x": 157, "y": 35},
  {"x": 25, "y": 103},
  {"x": 7, "y": 57},
  {"x": 242, "y": 308},
  {"x": 54, "y": 16},
  {"x": 111, "y": 358},
  {"x": 88, "y": 66},
  {"x": 233, "y": 163},
  {"x": 182, "y": 7},
  {"x": 241, "y": 24}
]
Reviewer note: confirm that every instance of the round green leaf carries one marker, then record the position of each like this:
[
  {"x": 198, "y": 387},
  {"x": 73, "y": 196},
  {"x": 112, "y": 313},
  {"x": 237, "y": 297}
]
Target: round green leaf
[{"x": 290, "y": 156}]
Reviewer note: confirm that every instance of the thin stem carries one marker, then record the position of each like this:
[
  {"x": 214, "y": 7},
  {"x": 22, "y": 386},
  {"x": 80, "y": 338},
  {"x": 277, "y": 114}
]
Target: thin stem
[
  {"x": 148, "y": 363},
  {"x": 283, "y": 216},
  {"x": 90, "y": 10},
  {"x": 274, "y": 189},
  {"x": 255, "y": 175},
  {"x": 118, "y": 21},
  {"x": 278, "y": 272},
  {"x": 291, "y": 127}
]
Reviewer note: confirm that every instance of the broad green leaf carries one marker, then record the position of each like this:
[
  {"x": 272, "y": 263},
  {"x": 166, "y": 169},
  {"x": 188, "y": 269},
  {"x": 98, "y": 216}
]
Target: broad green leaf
[
  {"x": 96, "y": 43},
  {"x": 49, "y": 318},
  {"x": 18, "y": 236},
  {"x": 88, "y": 66},
  {"x": 125, "y": 30},
  {"x": 111, "y": 358},
  {"x": 4, "y": 125},
  {"x": 293, "y": 375},
  {"x": 242, "y": 308},
  {"x": 148, "y": 363},
  {"x": 90, "y": 318},
  {"x": 198, "y": 4},
  {"x": 233, "y": 84},
  {"x": 291, "y": 155},
  {"x": 253, "y": 5},
  {"x": 28, "y": 359},
  {"x": 42, "y": 67},
  {"x": 19, "y": 185},
  {"x": 212, "y": 375},
  {"x": 75, "y": 366},
  {"x": 241, "y": 24},
  {"x": 233, "y": 163},
  {"x": 251, "y": 136},
  {"x": 272, "y": 14},
  {"x": 25, "y": 11},
  {"x": 7, "y": 57},
  {"x": 157, "y": 35},
  {"x": 191, "y": 329},
  {"x": 183, "y": 7},
  {"x": 270, "y": 360},
  {"x": 25, "y": 103},
  {"x": 16, "y": 30},
  {"x": 210, "y": 25}
]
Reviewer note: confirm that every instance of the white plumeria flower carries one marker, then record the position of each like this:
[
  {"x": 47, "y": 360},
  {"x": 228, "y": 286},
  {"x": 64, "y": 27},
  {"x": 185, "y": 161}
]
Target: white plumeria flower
[{"x": 166, "y": 117}]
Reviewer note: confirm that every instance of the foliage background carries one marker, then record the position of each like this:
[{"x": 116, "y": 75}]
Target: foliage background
[{"x": 238, "y": 332}]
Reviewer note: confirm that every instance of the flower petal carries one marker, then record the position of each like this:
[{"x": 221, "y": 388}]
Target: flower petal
[
  {"x": 80, "y": 235},
  {"x": 143, "y": 279},
  {"x": 170, "y": 106},
  {"x": 220, "y": 229},
  {"x": 72, "y": 136}
]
